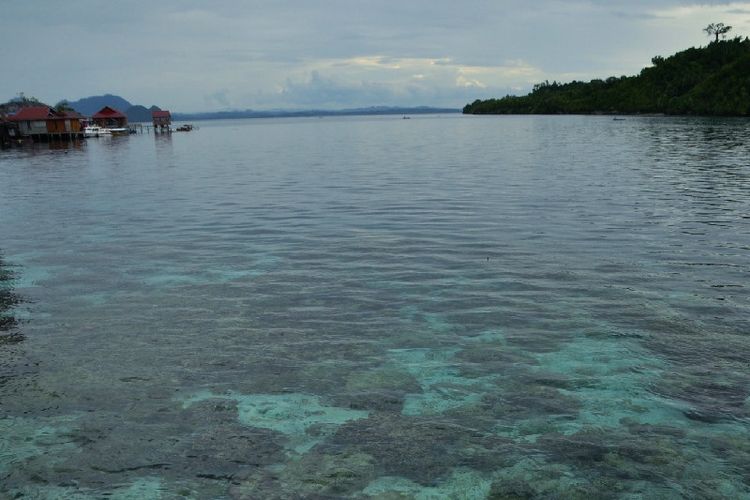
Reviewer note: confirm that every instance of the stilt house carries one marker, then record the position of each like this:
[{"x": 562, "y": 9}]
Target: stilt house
[
  {"x": 162, "y": 119},
  {"x": 110, "y": 118},
  {"x": 44, "y": 123}
]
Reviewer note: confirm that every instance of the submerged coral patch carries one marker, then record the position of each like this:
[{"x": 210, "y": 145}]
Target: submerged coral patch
[
  {"x": 8, "y": 300},
  {"x": 599, "y": 372},
  {"x": 421, "y": 449},
  {"x": 300, "y": 417},
  {"x": 443, "y": 388},
  {"x": 460, "y": 483},
  {"x": 22, "y": 439},
  {"x": 314, "y": 475},
  {"x": 142, "y": 488}
]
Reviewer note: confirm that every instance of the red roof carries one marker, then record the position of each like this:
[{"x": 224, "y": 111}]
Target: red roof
[
  {"x": 33, "y": 113},
  {"x": 107, "y": 112},
  {"x": 160, "y": 114}
]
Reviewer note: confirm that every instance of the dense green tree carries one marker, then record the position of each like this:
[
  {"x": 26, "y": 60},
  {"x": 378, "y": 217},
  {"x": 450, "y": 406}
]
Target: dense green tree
[
  {"x": 63, "y": 106},
  {"x": 22, "y": 98},
  {"x": 711, "y": 80}
]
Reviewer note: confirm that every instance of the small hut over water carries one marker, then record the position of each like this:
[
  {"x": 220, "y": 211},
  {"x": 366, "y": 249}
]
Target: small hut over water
[
  {"x": 110, "y": 118},
  {"x": 162, "y": 120},
  {"x": 45, "y": 123}
]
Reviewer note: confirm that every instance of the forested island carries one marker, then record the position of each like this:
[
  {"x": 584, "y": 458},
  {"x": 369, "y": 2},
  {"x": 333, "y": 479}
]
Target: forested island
[{"x": 711, "y": 80}]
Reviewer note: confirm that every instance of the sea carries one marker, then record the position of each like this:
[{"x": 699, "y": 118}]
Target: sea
[{"x": 445, "y": 307}]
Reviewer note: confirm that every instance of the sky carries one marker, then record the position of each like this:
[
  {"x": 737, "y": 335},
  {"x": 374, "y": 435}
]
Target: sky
[{"x": 193, "y": 56}]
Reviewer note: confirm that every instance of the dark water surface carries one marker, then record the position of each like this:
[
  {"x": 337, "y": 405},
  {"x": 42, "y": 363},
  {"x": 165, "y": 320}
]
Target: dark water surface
[{"x": 442, "y": 307}]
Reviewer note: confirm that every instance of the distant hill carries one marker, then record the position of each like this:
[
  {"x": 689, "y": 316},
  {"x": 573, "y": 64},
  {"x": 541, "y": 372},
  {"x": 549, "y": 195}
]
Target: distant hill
[
  {"x": 90, "y": 105},
  {"x": 248, "y": 113},
  {"x": 15, "y": 104},
  {"x": 711, "y": 80},
  {"x": 140, "y": 113},
  {"x": 135, "y": 112}
]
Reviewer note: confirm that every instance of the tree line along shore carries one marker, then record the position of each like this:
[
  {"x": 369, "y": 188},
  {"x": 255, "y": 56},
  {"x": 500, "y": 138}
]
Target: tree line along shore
[{"x": 713, "y": 80}]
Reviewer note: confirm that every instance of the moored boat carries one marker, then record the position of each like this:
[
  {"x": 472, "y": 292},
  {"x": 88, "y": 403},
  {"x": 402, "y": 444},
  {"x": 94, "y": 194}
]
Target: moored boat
[{"x": 95, "y": 131}]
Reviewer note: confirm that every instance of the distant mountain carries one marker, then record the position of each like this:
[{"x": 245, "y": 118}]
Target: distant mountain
[
  {"x": 140, "y": 113},
  {"x": 90, "y": 105},
  {"x": 711, "y": 80},
  {"x": 249, "y": 113}
]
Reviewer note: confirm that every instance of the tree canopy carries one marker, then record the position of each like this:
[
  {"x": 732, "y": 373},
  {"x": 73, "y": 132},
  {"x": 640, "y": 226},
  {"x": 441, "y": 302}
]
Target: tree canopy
[
  {"x": 63, "y": 106},
  {"x": 717, "y": 30},
  {"x": 711, "y": 80}
]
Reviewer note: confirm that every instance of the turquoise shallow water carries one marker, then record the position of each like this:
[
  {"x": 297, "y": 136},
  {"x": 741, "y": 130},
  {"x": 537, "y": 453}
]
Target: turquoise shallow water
[{"x": 442, "y": 307}]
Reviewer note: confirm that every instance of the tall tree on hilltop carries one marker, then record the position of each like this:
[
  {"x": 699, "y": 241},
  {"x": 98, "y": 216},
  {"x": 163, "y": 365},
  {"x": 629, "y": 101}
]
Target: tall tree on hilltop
[
  {"x": 717, "y": 30},
  {"x": 63, "y": 106}
]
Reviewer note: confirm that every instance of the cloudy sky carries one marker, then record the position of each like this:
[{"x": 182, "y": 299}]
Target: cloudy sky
[{"x": 188, "y": 55}]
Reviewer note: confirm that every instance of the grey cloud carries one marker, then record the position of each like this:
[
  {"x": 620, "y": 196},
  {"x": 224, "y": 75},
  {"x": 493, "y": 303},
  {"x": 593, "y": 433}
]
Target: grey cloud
[
  {"x": 320, "y": 90},
  {"x": 638, "y": 15},
  {"x": 220, "y": 98}
]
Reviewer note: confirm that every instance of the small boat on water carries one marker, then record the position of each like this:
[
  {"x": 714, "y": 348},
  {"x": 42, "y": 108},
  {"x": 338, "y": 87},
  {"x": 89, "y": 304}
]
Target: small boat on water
[
  {"x": 184, "y": 128},
  {"x": 95, "y": 131},
  {"x": 119, "y": 131}
]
